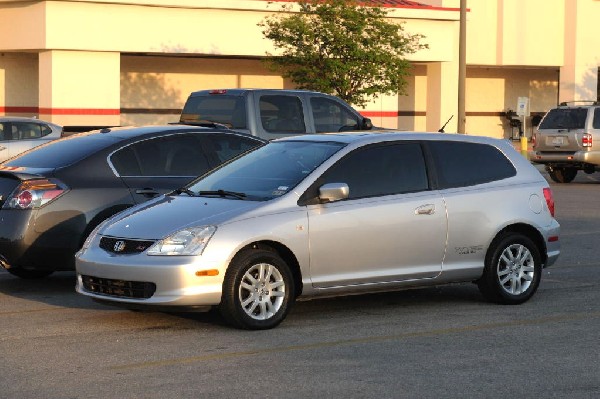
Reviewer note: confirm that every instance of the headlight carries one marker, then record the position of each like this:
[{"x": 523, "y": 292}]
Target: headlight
[{"x": 190, "y": 241}]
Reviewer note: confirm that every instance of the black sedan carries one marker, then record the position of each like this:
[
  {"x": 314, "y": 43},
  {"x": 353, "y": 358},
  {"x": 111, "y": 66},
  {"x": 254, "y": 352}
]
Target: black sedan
[{"x": 53, "y": 196}]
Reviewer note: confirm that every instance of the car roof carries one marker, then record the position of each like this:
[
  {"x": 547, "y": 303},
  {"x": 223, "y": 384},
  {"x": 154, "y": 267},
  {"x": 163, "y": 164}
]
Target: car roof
[
  {"x": 24, "y": 119},
  {"x": 127, "y": 132},
  {"x": 363, "y": 137},
  {"x": 239, "y": 92}
]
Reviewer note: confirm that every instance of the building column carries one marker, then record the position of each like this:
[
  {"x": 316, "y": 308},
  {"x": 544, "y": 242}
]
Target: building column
[
  {"x": 579, "y": 73},
  {"x": 442, "y": 96},
  {"x": 80, "y": 88}
]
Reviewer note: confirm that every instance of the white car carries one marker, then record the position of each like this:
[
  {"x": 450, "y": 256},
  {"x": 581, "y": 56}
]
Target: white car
[
  {"x": 18, "y": 135},
  {"x": 331, "y": 214}
]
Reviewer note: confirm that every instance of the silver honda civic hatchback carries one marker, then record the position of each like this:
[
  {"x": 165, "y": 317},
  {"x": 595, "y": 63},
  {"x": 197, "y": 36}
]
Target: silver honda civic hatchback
[{"x": 330, "y": 214}]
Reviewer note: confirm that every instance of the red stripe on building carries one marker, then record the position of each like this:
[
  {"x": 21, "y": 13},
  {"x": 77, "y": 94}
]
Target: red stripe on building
[
  {"x": 80, "y": 111},
  {"x": 60, "y": 111}
]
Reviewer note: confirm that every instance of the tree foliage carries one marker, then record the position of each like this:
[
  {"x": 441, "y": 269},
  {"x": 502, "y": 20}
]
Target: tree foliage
[{"x": 341, "y": 47}]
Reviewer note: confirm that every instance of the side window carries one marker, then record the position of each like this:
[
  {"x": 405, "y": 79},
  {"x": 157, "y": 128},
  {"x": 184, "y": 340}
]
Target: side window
[
  {"x": 26, "y": 131},
  {"x": 177, "y": 155},
  {"x": 46, "y": 130},
  {"x": 222, "y": 147},
  {"x": 281, "y": 114},
  {"x": 4, "y": 128},
  {"x": 596, "y": 123},
  {"x": 331, "y": 116},
  {"x": 380, "y": 170},
  {"x": 461, "y": 164}
]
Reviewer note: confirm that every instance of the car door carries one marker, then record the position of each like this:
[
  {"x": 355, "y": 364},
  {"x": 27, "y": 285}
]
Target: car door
[
  {"x": 151, "y": 167},
  {"x": 392, "y": 227}
]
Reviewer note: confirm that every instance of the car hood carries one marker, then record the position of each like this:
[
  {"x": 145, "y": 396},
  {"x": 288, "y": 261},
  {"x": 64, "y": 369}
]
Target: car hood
[{"x": 166, "y": 215}]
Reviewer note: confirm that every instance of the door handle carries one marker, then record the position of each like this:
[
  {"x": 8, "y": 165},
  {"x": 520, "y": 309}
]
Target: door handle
[
  {"x": 428, "y": 209},
  {"x": 148, "y": 192}
]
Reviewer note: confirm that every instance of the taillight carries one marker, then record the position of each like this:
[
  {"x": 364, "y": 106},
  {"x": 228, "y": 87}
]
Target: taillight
[
  {"x": 586, "y": 140},
  {"x": 33, "y": 194},
  {"x": 549, "y": 200},
  {"x": 220, "y": 91},
  {"x": 533, "y": 140}
]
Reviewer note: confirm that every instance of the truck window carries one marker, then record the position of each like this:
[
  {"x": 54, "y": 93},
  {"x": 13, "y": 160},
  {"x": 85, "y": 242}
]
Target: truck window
[
  {"x": 224, "y": 109},
  {"x": 281, "y": 114},
  {"x": 564, "y": 118},
  {"x": 330, "y": 116}
]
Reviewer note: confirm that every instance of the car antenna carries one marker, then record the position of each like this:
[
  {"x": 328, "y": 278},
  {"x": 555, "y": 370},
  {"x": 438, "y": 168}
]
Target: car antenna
[{"x": 442, "y": 128}]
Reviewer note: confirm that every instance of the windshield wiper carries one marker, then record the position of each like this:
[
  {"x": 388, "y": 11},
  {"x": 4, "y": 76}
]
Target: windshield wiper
[
  {"x": 184, "y": 190},
  {"x": 223, "y": 193}
]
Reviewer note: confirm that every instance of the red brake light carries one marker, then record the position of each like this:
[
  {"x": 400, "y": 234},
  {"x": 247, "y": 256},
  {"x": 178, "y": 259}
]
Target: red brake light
[
  {"x": 586, "y": 140},
  {"x": 35, "y": 193},
  {"x": 220, "y": 91},
  {"x": 549, "y": 200}
]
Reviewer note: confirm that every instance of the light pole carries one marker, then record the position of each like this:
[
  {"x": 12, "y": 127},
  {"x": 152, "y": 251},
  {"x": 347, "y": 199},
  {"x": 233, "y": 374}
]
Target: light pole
[{"x": 462, "y": 66}]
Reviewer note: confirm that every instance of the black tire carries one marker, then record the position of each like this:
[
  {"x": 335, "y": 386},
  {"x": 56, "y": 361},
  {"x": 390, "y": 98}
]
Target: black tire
[
  {"x": 513, "y": 269},
  {"x": 29, "y": 274},
  {"x": 258, "y": 290},
  {"x": 563, "y": 175}
]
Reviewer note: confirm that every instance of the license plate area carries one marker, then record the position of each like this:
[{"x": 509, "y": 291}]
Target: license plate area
[{"x": 557, "y": 141}]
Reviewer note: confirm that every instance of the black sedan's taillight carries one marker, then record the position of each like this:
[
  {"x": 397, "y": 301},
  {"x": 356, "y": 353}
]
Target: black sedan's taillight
[{"x": 32, "y": 194}]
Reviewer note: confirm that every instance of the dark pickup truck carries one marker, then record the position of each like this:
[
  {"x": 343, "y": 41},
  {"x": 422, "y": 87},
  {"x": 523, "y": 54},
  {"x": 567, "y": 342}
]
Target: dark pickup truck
[{"x": 270, "y": 113}]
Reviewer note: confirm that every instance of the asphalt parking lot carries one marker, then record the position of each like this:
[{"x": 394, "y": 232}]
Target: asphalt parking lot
[{"x": 441, "y": 342}]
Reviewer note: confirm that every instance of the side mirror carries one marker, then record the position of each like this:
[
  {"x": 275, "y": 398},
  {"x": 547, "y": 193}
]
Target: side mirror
[
  {"x": 367, "y": 124},
  {"x": 331, "y": 192}
]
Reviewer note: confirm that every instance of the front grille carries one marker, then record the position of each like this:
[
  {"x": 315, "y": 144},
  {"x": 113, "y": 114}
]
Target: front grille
[
  {"x": 119, "y": 288},
  {"x": 123, "y": 247}
]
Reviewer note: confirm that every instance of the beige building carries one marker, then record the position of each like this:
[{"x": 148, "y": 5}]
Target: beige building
[{"x": 84, "y": 63}]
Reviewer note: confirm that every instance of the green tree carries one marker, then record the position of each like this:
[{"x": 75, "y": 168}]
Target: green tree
[{"x": 341, "y": 47}]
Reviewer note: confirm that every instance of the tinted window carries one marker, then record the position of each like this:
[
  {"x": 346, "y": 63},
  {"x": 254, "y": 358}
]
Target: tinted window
[
  {"x": 281, "y": 114},
  {"x": 177, "y": 155},
  {"x": 331, "y": 116},
  {"x": 465, "y": 164},
  {"x": 63, "y": 152},
  {"x": 180, "y": 154},
  {"x": 380, "y": 170},
  {"x": 596, "y": 124},
  {"x": 564, "y": 118},
  {"x": 228, "y": 110}
]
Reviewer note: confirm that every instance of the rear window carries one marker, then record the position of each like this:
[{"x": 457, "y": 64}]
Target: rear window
[
  {"x": 564, "y": 118},
  {"x": 219, "y": 108},
  {"x": 62, "y": 152},
  {"x": 461, "y": 164}
]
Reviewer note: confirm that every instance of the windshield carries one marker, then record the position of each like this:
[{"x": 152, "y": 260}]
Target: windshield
[
  {"x": 267, "y": 172},
  {"x": 564, "y": 118}
]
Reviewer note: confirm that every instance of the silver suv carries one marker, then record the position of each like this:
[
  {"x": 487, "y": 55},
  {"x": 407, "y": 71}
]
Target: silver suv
[
  {"x": 331, "y": 214},
  {"x": 568, "y": 140}
]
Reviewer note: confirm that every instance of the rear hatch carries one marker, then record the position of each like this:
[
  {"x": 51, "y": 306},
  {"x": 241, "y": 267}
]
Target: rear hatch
[{"x": 562, "y": 130}]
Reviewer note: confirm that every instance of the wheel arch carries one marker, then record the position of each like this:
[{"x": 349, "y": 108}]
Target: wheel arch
[
  {"x": 529, "y": 231},
  {"x": 286, "y": 254}
]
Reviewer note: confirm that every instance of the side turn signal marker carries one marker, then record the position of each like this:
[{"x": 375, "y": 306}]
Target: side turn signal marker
[{"x": 210, "y": 272}]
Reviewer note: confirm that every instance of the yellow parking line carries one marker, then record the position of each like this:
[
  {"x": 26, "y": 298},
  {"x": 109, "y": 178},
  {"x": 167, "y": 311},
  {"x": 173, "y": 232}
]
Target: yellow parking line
[{"x": 356, "y": 341}]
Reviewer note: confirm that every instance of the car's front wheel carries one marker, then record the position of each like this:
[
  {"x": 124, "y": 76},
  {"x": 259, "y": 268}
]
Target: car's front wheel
[
  {"x": 258, "y": 290},
  {"x": 562, "y": 175},
  {"x": 512, "y": 270}
]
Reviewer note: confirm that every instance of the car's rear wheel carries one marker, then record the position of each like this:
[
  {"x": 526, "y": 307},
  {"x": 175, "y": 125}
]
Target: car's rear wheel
[
  {"x": 512, "y": 270},
  {"x": 562, "y": 175},
  {"x": 258, "y": 290},
  {"x": 29, "y": 274}
]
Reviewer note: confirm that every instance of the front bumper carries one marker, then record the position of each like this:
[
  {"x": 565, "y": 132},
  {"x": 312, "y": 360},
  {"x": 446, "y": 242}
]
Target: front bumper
[{"x": 174, "y": 278}]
